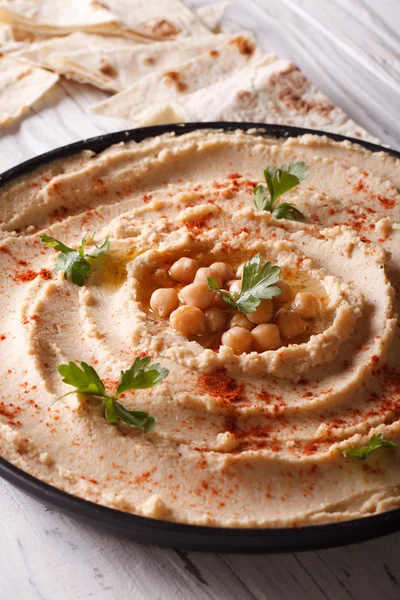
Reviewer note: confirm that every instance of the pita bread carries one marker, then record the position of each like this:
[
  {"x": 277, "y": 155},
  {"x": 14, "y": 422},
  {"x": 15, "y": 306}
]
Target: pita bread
[
  {"x": 8, "y": 43},
  {"x": 115, "y": 69},
  {"x": 164, "y": 19},
  {"x": 212, "y": 14},
  {"x": 165, "y": 86},
  {"x": 38, "y": 52},
  {"x": 272, "y": 91},
  {"x": 157, "y": 21},
  {"x": 20, "y": 86},
  {"x": 58, "y": 16}
]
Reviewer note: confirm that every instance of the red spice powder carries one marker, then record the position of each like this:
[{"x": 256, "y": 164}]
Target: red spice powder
[
  {"x": 223, "y": 387},
  {"x": 199, "y": 223},
  {"x": 10, "y": 412},
  {"x": 29, "y": 275},
  {"x": 386, "y": 203}
]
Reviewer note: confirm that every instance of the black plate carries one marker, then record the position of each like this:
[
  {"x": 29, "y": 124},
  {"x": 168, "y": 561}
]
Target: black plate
[{"x": 164, "y": 533}]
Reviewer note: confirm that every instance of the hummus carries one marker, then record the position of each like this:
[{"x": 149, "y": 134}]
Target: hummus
[{"x": 251, "y": 439}]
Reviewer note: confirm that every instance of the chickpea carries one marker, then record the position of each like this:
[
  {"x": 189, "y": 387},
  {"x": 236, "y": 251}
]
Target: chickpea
[
  {"x": 237, "y": 338},
  {"x": 262, "y": 314},
  {"x": 218, "y": 302},
  {"x": 286, "y": 293},
  {"x": 215, "y": 319},
  {"x": 306, "y": 305},
  {"x": 161, "y": 278},
  {"x": 224, "y": 270},
  {"x": 205, "y": 272},
  {"x": 235, "y": 286},
  {"x": 163, "y": 301},
  {"x": 290, "y": 325},
  {"x": 184, "y": 269},
  {"x": 188, "y": 320},
  {"x": 239, "y": 270},
  {"x": 266, "y": 337},
  {"x": 197, "y": 294},
  {"x": 240, "y": 320}
]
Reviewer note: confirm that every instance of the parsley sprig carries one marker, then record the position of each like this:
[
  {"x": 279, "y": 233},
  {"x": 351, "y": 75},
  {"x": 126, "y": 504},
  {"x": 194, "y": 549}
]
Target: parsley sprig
[
  {"x": 141, "y": 375},
  {"x": 75, "y": 263},
  {"x": 376, "y": 441},
  {"x": 257, "y": 284},
  {"x": 279, "y": 181}
]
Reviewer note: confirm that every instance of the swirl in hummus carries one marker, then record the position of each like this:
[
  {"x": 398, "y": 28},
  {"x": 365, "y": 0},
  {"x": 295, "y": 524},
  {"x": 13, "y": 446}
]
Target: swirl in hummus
[{"x": 251, "y": 439}]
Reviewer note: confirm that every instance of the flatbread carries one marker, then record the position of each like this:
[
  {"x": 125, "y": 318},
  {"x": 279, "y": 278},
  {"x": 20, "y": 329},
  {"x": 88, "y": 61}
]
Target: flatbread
[
  {"x": 20, "y": 86},
  {"x": 115, "y": 69},
  {"x": 39, "y": 52},
  {"x": 8, "y": 43},
  {"x": 164, "y": 19},
  {"x": 271, "y": 91},
  {"x": 196, "y": 74},
  {"x": 159, "y": 20},
  {"x": 58, "y": 16},
  {"x": 212, "y": 15}
]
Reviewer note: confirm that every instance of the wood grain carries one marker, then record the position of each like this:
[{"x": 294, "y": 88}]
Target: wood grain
[{"x": 350, "y": 49}]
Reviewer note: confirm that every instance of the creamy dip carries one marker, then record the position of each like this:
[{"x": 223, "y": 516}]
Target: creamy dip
[{"x": 242, "y": 439}]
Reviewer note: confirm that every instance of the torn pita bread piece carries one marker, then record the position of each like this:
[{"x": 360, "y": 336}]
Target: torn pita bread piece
[
  {"x": 160, "y": 20},
  {"x": 8, "y": 43},
  {"x": 39, "y": 52},
  {"x": 157, "y": 21},
  {"x": 195, "y": 74},
  {"x": 272, "y": 91},
  {"x": 58, "y": 16},
  {"x": 115, "y": 69},
  {"x": 21, "y": 85},
  {"x": 212, "y": 15}
]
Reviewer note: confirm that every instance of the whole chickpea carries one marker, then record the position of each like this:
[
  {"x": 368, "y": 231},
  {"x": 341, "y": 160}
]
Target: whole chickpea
[
  {"x": 218, "y": 302},
  {"x": 290, "y": 325},
  {"x": 224, "y": 270},
  {"x": 163, "y": 301},
  {"x": 235, "y": 286},
  {"x": 237, "y": 338},
  {"x": 239, "y": 270},
  {"x": 262, "y": 314},
  {"x": 215, "y": 319},
  {"x": 266, "y": 337},
  {"x": 286, "y": 291},
  {"x": 184, "y": 269},
  {"x": 306, "y": 305},
  {"x": 188, "y": 320},
  {"x": 240, "y": 320},
  {"x": 161, "y": 278},
  {"x": 197, "y": 294},
  {"x": 205, "y": 272}
]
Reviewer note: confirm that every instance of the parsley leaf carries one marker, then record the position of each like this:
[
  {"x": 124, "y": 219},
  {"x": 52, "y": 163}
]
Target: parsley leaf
[
  {"x": 257, "y": 284},
  {"x": 84, "y": 379},
  {"x": 376, "y": 441},
  {"x": 260, "y": 198},
  {"x": 287, "y": 211},
  {"x": 106, "y": 245},
  {"x": 279, "y": 181},
  {"x": 74, "y": 263},
  {"x": 141, "y": 375}
]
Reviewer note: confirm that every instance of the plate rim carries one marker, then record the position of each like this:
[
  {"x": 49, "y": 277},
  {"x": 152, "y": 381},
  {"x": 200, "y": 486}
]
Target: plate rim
[{"x": 182, "y": 535}]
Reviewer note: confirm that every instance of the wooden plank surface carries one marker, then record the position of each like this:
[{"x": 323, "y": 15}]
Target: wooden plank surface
[{"x": 350, "y": 49}]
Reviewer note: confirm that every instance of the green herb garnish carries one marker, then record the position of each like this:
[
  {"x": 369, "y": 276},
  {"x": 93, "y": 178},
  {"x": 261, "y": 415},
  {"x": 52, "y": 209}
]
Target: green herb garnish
[
  {"x": 141, "y": 375},
  {"x": 257, "y": 284},
  {"x": 376, "y": 442},
  {"x": 280, "y": 181},
  {"x": 74, "y": 263}
]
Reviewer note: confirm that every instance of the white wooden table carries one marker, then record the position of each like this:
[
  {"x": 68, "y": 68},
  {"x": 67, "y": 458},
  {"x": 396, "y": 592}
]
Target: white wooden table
[{"x": 350, "y": 48}]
